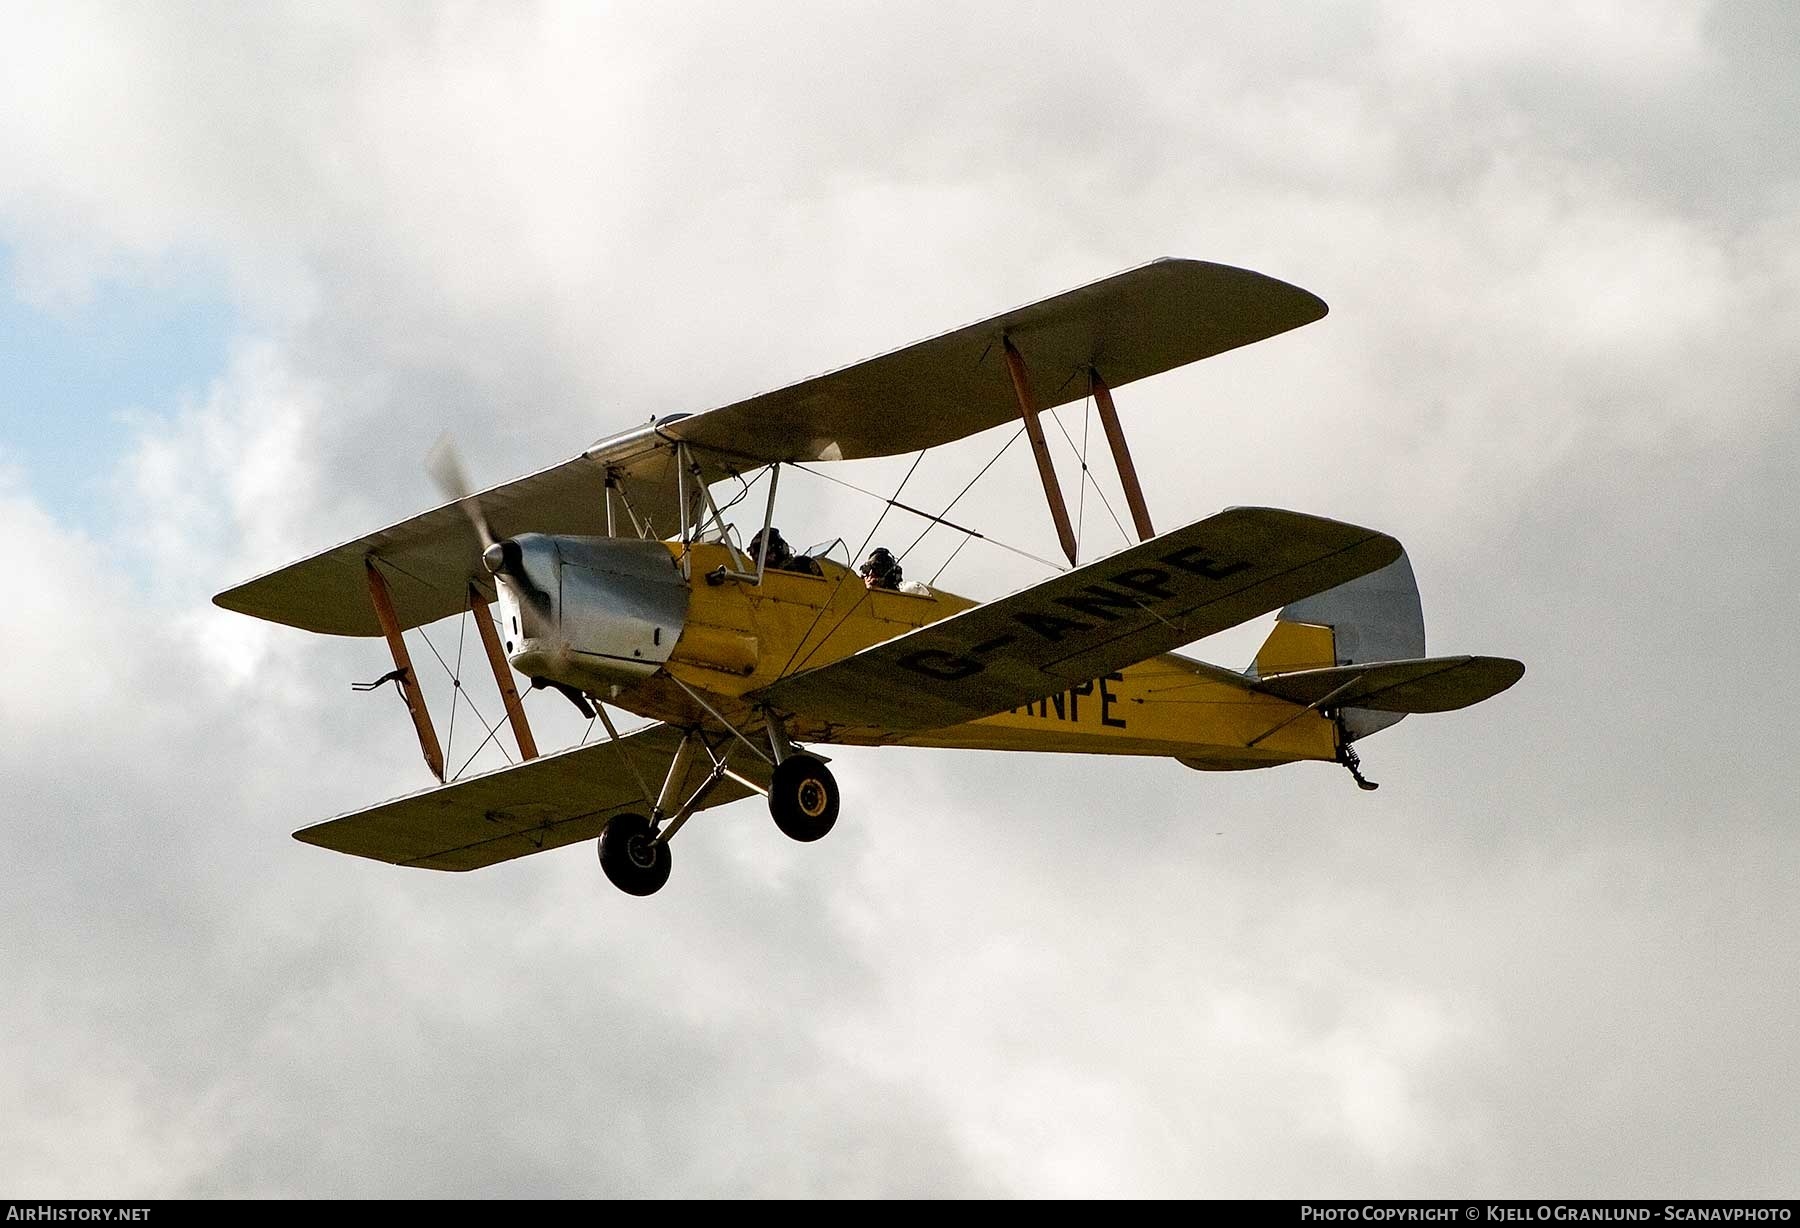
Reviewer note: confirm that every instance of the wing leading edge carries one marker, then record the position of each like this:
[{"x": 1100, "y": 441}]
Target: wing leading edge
[{"x": 1141, "y": 602}]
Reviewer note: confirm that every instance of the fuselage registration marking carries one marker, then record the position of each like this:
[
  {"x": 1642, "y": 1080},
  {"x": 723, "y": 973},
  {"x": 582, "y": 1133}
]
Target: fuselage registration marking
[
  {"x": 1129, "y": 591},
  {"x": 1066, "y": 705}
]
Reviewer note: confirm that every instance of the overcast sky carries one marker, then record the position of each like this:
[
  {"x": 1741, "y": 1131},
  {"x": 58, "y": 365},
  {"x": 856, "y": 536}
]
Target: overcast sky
[{"x": 254, "y": 259}]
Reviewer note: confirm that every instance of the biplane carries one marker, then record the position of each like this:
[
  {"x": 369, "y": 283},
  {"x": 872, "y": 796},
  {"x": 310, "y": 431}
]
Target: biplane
[{"x": 615, "y": 579}]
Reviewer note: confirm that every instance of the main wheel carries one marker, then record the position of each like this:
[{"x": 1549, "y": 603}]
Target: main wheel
[
  {"x": 632, "y": 859},
  {"x": 803, "y": 798}
]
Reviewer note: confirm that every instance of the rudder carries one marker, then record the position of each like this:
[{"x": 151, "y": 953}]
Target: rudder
[{"x": 1376, "y": 617}]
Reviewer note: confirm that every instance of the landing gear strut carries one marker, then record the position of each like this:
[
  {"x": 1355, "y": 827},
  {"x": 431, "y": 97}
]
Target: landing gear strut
[
  {"x": 803, "y": 797},
  {"x": 1352, "y": 761}
]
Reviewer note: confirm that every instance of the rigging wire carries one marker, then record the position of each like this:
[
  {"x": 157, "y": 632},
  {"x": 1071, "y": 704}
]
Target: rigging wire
[
  {"x": 890, "y": 504},
  {"x": 1088, "y": 475},
  {"x": 959, "y": 549},
  {"x": 462, "y": 634},
  {"x": 959, "y": 494},
  {"x": 937, "y": 520},
  {"x": 457, "y": 683},
  {"x": 1087, "y": 417},
  {"x": 490, "y": 738}
]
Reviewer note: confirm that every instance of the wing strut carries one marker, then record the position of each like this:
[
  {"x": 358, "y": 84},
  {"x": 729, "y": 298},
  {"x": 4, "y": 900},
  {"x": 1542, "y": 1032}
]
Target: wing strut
[
  {"x": 509, "y": 694},
  {"x": 409, "y": 682},
  {"x": 1059, "y": 511},
  {"x": 1115, "y": 435}
]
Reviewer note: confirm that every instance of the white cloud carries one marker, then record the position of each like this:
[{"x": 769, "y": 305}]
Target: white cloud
[{"x": 1554, "y": 367}]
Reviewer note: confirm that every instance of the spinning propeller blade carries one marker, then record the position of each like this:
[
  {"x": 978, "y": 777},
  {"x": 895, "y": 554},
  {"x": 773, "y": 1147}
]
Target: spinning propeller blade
[
  {"x": 445, "y": 468},
  {"x": 501, "y": 558}
]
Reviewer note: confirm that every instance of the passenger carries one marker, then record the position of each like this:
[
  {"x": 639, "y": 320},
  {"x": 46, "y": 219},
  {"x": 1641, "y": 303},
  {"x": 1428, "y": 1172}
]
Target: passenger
[{"x": 782, "y": 556}]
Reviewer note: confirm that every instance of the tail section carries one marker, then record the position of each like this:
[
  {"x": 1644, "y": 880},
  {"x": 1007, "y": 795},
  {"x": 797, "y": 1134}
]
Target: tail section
[{"x": 1376, "y": 617}]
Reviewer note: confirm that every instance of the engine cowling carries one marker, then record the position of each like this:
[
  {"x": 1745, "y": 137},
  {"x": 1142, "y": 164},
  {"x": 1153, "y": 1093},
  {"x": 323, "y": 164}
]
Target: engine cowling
[{"x": 589, "y": 612}]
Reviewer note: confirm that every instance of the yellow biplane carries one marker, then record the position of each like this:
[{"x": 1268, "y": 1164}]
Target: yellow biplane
[{"x": 618, "y": 581}]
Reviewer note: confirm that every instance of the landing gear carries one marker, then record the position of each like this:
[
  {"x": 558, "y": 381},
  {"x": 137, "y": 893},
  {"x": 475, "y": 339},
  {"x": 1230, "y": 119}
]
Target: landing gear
[
  {"x": 631, "y": 855},
  {"x": 1349, "y": 758},
  {"x": 803, "y": 797}
]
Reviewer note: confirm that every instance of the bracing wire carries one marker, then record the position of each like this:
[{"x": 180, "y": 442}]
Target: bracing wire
[
  {"x": 456, "y": 683},
  {"x": 888, "y": 505},
  {"x": 1088, "y": 476},
  {"x": 967, "y": 486},
  {"x": 1087, "y": 416},
  {"x": 891, "y": 504},
  {"x": 456, "y": 687}
]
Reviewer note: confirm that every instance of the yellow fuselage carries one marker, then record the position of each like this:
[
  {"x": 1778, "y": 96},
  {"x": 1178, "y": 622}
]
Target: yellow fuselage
[{"x": 740, "y": 637}]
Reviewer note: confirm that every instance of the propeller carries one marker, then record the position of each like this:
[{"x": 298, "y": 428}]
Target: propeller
[
  {"x": 501, "y": 558},
  {"x": 445, "y": 468}
]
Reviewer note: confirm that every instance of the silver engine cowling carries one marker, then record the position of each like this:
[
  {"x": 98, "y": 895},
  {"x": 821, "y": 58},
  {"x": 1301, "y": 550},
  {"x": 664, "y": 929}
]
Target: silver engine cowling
[{"x": 587, "y": 612}]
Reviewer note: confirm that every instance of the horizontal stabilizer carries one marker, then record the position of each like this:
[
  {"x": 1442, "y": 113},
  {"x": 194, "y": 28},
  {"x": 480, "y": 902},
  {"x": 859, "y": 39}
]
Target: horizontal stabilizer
[
  {"x": 1433, "y": 684},
  {"x": 1086, "y": 623},
  {"x": 515, "y": 811}
]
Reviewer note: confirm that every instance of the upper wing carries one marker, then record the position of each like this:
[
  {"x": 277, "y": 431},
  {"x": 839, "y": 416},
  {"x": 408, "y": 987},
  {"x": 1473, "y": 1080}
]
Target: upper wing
[
  {"x": 1129, "y": 326},
  {"x": 549, "y": 802},
  {"x": 1085, "y": 623},
  {"x": 1430, "y": 684},
  {"x": 1134, "y": 324}
]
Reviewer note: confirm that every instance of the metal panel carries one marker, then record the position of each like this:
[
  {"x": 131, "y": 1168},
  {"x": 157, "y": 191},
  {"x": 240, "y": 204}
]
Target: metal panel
[{"x": 619, "y": 610}]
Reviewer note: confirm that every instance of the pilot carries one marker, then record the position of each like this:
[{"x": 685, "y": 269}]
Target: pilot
[
  {"x": 780, "y": 553},
  {"x": 882, "y": 570}
]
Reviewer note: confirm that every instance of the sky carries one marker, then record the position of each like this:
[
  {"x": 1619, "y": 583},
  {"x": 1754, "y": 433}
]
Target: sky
[{"x": 255, "y": 260}]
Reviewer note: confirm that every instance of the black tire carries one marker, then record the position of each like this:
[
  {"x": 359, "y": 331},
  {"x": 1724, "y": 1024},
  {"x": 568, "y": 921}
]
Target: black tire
[
  {"x": 803, "y": 797},
  {"x": 633, "y": 863}
]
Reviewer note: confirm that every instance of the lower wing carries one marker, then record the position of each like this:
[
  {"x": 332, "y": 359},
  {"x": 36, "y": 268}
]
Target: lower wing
[
  {"x": 1085, "y": 623},
  {"x": 515, "y": 811}
]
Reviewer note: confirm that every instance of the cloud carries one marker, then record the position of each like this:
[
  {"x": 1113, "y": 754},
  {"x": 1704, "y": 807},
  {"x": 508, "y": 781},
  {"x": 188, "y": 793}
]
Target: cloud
[{"x": 1546, "y": 954}]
